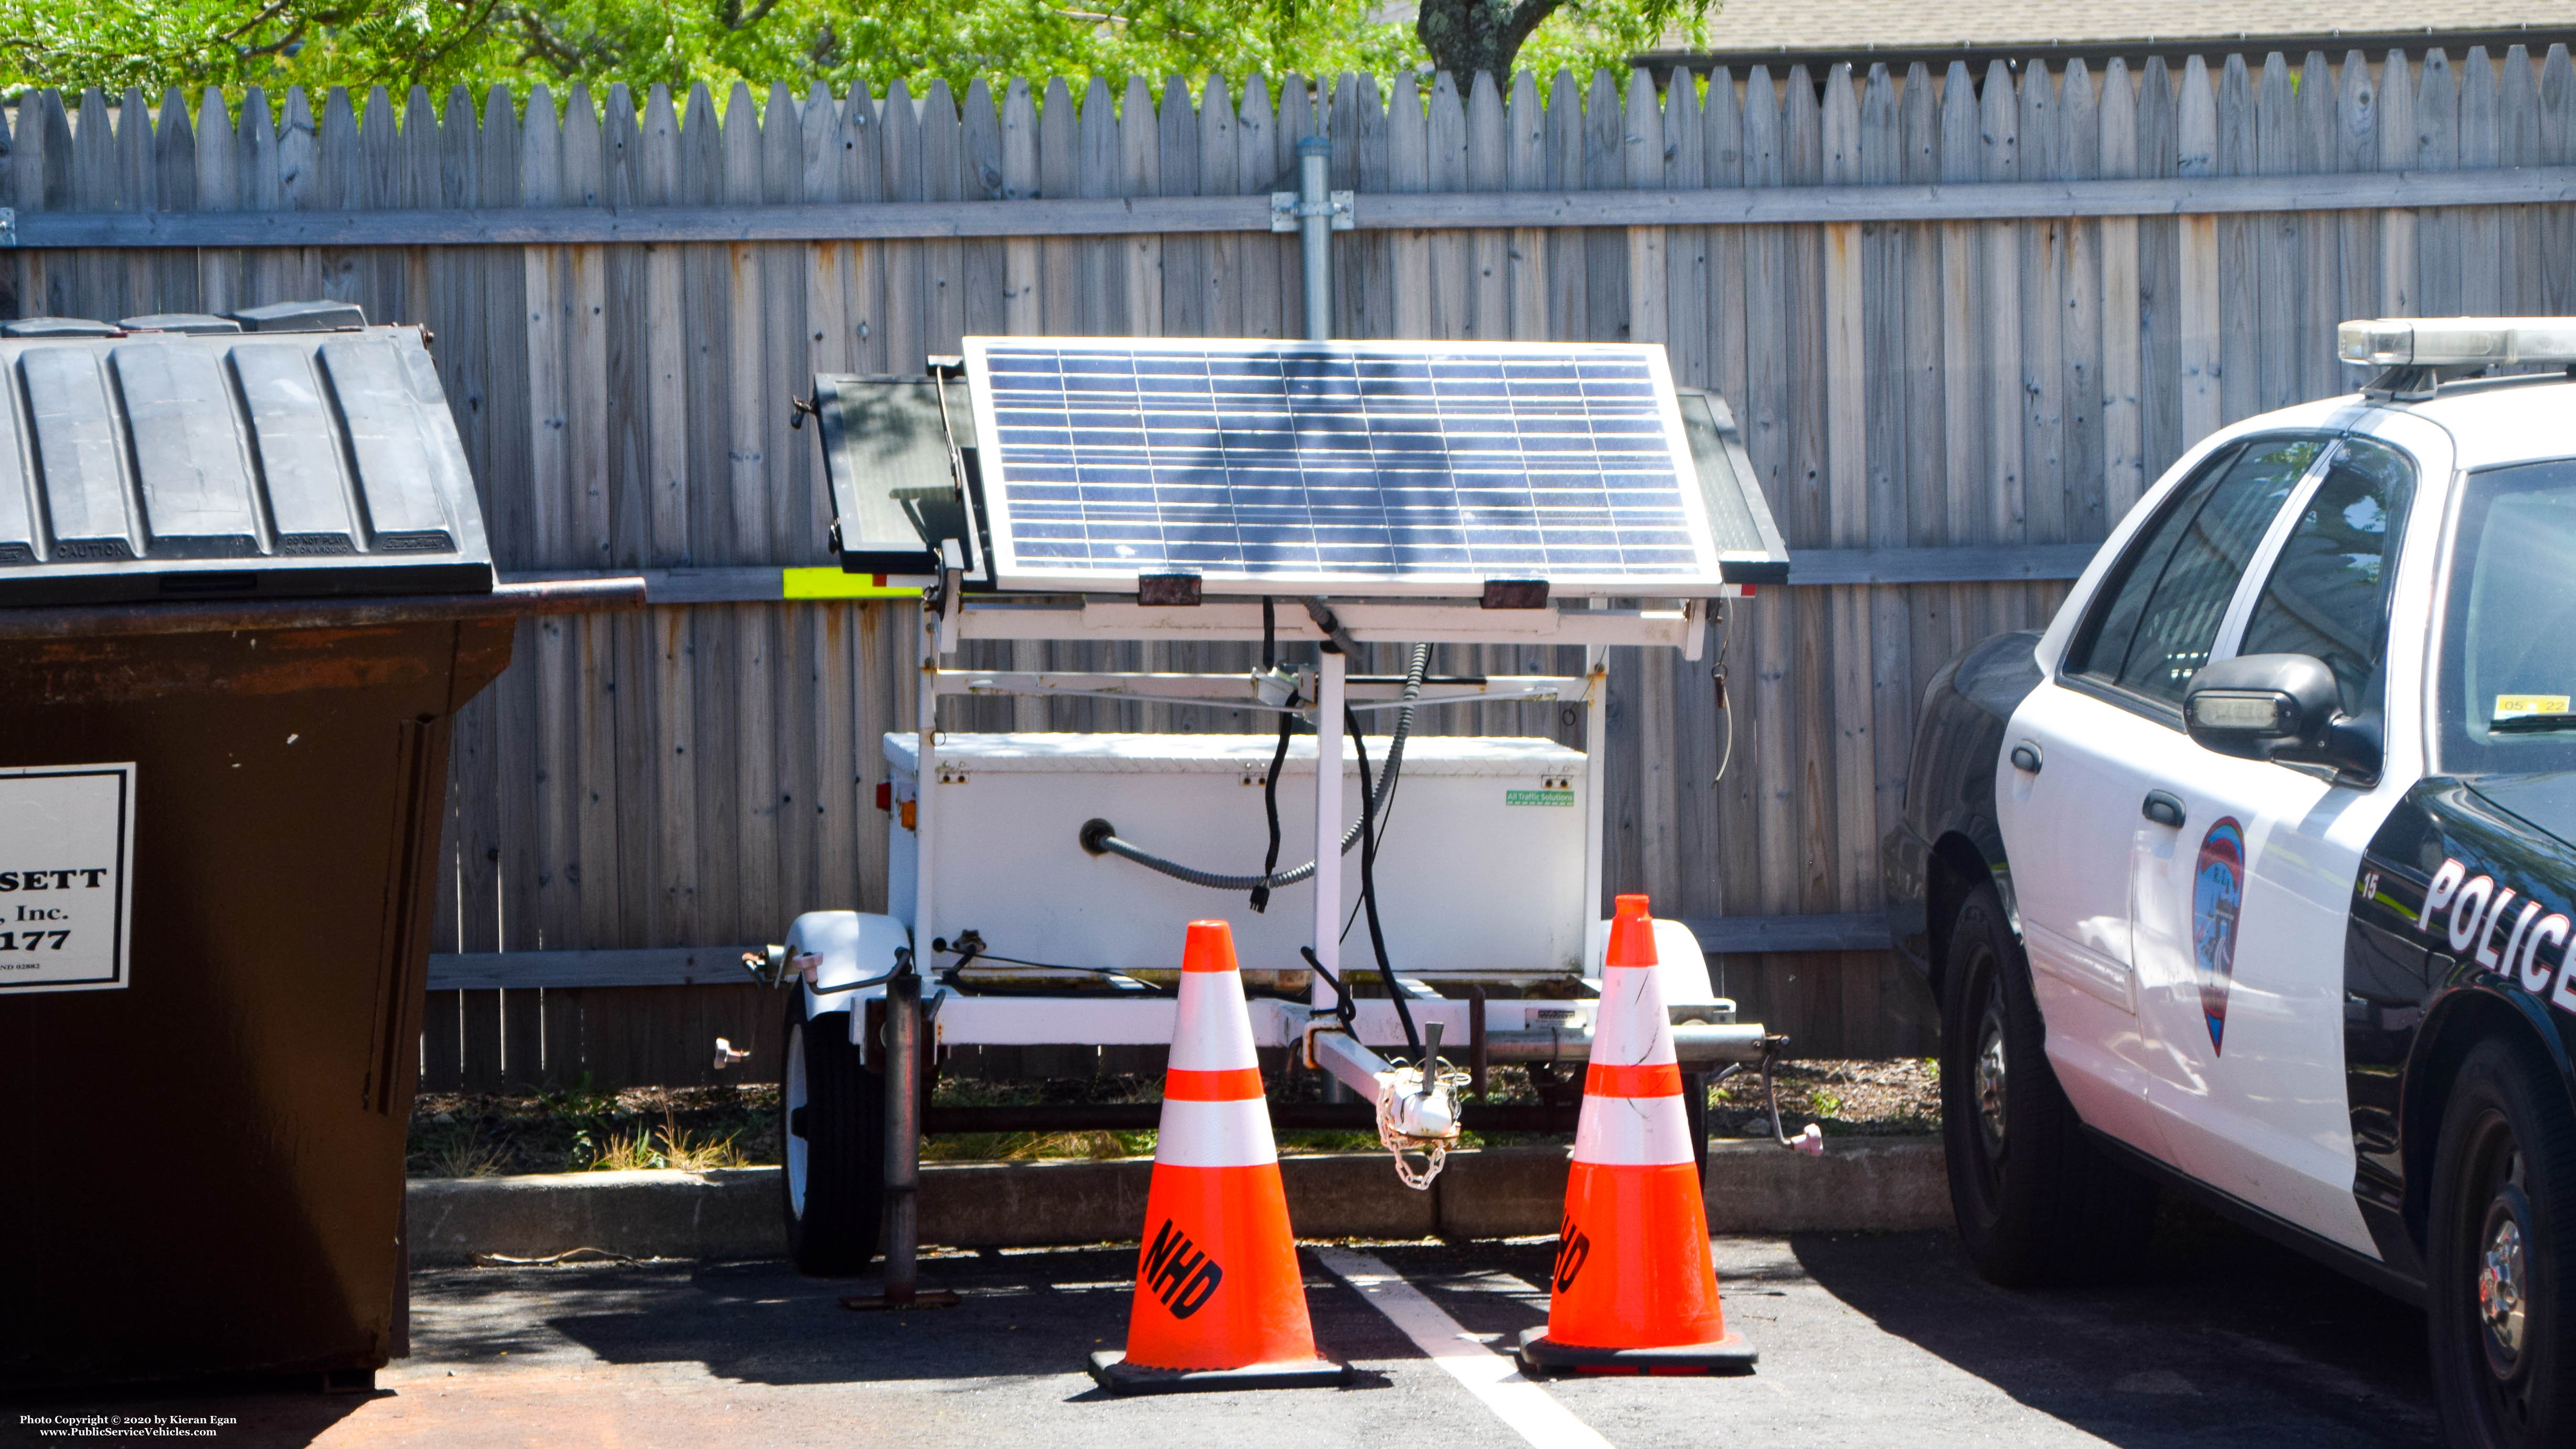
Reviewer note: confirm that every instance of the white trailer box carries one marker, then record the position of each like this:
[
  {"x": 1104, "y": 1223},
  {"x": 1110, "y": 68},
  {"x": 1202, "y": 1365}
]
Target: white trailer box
[{"x": 1479, "y": 868}]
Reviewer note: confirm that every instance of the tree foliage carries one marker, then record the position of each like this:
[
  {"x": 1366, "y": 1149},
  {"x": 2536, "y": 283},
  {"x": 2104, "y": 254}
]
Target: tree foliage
[
  {"x": 1463, "y": 37},
  {"x": 158, "y": 44}
]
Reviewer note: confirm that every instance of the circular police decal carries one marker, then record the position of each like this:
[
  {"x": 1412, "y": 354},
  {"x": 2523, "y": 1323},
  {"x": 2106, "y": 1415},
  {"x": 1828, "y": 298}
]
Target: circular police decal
[{"x": 2217, "y": 887}]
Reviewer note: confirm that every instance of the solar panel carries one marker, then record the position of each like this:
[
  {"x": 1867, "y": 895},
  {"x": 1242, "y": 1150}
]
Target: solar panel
[{"x": 1424, "y": 468}]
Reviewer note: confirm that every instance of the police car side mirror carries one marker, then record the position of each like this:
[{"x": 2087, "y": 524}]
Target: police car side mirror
[{"x": 2283, "y": 707}]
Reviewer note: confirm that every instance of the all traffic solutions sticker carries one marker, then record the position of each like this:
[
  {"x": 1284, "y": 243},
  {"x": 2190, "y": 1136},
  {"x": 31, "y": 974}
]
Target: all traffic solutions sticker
[{"x": 66, "y": 845}]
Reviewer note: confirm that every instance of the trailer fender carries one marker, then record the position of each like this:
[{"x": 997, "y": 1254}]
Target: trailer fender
[
  {"x": 1681, "y": 966},
  {"x": 853, "y": 946}
]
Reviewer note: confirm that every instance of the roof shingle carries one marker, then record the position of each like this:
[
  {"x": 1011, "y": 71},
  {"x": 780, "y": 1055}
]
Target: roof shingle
[{"x": 1816, "y": 25}]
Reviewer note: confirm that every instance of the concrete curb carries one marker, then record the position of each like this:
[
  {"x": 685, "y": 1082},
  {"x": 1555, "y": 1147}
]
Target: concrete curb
[{"x": 1882, "y": 1184}]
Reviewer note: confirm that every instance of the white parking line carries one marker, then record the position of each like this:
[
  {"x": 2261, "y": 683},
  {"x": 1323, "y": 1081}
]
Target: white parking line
[{"x": 1529, "y": 1409}]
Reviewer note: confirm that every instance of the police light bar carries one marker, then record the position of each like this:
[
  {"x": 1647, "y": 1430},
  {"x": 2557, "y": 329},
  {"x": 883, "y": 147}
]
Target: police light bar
[{"x": 2457, "y": 341}]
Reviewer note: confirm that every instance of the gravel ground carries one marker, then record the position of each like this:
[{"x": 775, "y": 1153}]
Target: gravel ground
[
  {"x": 472, "y": 1135},
  {"x": 1847, "y": 1098}
]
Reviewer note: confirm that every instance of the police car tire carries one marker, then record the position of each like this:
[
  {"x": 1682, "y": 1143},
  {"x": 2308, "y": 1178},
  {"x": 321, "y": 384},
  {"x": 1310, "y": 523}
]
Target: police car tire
[
  {"x": 2507, "y": 1152},
  {"x": 2049, "y": 1207},
  {"x": 844, "y": 1119}
]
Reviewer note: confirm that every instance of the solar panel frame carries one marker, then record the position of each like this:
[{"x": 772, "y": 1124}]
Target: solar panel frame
[{"x": 1135, "y": 485}]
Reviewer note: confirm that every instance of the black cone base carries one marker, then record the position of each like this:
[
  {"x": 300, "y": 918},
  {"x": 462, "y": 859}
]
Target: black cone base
[
  {"x": 1119, "y": 1376},
  {"x": 1541, "y": 1356}
]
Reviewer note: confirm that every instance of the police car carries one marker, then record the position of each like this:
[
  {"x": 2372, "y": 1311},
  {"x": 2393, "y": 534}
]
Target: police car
[{"x": 2252, "y": 875}]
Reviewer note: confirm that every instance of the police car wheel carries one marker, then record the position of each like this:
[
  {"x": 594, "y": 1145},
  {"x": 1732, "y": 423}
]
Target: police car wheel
[
  {"x": 2502, "y": 1282},
  {"x": 831, "y": 1129},
  {"x": 2036, "y": 1201}
]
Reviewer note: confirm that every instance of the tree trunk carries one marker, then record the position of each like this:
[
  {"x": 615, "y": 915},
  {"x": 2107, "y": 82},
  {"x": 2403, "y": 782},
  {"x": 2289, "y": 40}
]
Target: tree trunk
[{"x": 1466, "y": 36}]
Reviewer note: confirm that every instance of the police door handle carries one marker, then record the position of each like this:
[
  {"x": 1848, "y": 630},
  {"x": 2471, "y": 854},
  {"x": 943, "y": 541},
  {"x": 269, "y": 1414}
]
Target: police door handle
[
  {"x": 2163, "y": 807},
  {"x": 2025, "y": 758}
]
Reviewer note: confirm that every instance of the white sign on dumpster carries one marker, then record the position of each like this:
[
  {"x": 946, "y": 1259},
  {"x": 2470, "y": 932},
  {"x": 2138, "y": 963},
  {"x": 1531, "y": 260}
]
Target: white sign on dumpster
[{"x": 66, "y": 841}]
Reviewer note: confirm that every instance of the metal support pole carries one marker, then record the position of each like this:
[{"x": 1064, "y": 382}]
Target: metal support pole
[
  {"x": 1315, "y": 234},
  {"x": 1329, "y": 694},
  {"x": 903, "y": 1049},
  {"x": 903, "y": 1136},
  {"x": 1596, "y": 772},
  {"x": 903, "y": 1029},
  {"x": 925, "y": 814}
]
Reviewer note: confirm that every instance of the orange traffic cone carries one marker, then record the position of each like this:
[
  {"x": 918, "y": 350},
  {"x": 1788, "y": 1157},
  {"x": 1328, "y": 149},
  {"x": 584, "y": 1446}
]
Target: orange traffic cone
[
  {"x": 1633, "y": 1290},
  {"x": 1220, "y": 1301}
]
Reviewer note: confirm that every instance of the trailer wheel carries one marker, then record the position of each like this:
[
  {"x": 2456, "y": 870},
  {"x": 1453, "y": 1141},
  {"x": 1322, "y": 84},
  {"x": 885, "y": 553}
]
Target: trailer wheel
[
  {"x": 2502, "y": 1279},
  {"x": 831, "y": 1130},
  {"x": 2036, "y": 1201}
]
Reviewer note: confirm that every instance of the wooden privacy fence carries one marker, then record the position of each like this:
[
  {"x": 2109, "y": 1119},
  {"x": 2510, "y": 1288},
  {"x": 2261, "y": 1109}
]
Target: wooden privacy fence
[{"x": 1964, "y": 319}]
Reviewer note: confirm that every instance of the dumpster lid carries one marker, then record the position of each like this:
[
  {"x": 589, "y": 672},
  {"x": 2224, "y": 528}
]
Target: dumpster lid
[
  {"x": 250, "y": 464},
  {"x": 57, "y": 327},
  {"x": 301, "y": 317},
  {"x": 180, "y": 322}
]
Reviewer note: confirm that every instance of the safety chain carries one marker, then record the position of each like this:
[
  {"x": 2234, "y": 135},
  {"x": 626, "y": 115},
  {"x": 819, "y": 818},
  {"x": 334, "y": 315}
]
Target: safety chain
[{"x": 1405, "y": 1081}]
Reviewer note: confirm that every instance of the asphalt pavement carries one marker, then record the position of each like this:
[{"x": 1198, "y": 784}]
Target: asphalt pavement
[{"x": 2217, "y": 1339}]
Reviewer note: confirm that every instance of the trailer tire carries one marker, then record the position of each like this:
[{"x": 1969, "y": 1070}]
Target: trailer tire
[
  {"x": 2036, "y": 1201},
  {"x": 831, "y": 1131}
]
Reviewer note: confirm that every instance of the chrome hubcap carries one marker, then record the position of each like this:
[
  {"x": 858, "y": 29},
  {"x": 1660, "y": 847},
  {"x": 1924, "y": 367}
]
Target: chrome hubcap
[
  {"x": 1990, "y": 1079},
  {"x": 2501, "y": 1276}
]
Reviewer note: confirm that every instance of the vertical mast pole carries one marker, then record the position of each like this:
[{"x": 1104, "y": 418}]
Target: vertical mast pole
[
  {"x": 1328, "y": 823},
  {"x": 1315, "y": 250},
  {"x": 1315, "y": 234}
]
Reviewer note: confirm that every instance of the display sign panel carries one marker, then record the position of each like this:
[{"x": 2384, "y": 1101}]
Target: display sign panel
[{"x": 66, "y": 848}]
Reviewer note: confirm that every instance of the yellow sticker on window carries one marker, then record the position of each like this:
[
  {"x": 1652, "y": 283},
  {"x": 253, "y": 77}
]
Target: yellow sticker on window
[{"x": 2511, "y": 706}]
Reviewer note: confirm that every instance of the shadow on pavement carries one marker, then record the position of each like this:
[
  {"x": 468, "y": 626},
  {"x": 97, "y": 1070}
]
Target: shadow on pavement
[
  {"x": 764, "y": 1323},
  {"x": 2214, "y": 1331},
  {"x": 1023, "y": 1315}
]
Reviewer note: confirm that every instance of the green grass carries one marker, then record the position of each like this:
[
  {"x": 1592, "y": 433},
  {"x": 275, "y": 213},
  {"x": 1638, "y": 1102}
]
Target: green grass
[{"x": 581, "y": 1129}]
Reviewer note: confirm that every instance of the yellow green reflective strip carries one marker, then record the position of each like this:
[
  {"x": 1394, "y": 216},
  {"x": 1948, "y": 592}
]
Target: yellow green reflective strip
[{"x": 831, "y": 583}]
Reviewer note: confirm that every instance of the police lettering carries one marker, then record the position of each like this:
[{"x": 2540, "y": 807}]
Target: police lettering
[
  {"x": 2481, "y": 912},
  {"x": 50, "y": 880}
]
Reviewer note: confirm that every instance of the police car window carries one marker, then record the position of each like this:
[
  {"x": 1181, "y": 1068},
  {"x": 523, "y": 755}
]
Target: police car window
[
  {"x": 2160, "y": 609},
  {"x": 2328, "y": 593},
  {"x": 2508, "y": 690}
]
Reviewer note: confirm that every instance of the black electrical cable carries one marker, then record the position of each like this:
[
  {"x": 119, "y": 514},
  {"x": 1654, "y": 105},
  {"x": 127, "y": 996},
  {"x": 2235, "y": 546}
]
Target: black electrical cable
[
  {"x": 1270, "y": 803},
  {"x": 1100, "y": 837},
  {"x": 1278, "y": 757},
  {"x": 1386, "y": 798},
  {"x": 968, "y": 955},
  {"x": 1343, "y": 1011},
  {"x": 1368, "y": 886}
]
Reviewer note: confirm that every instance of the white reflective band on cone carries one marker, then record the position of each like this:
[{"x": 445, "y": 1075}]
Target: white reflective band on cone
[
  {"x": 1630, "y": 1028},
  {"x": 1225, "y": 1134},
  {"x": 1212, "y": 1031},
  {"x": 1632, "y": 1132}
]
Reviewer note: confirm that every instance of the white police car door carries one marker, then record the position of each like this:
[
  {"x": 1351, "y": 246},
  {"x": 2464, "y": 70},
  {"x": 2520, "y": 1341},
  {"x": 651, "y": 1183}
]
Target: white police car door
[
  {"x": 2242, "y": 898},
  {"x": 2104, "y": 729}
]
